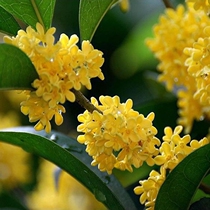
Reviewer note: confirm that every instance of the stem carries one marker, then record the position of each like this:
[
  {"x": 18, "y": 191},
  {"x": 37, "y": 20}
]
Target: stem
[
  {"x": 167, "y": 4},
  {"x": 205, "y": 188},
  {"x": 84, "y": 102},
  {"x": 37, "y": 13}
]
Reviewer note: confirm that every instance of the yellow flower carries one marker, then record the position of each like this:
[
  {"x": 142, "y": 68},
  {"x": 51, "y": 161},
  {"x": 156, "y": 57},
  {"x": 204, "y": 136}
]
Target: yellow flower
[
  {"x": 189, "y": 109},
  {"x": 195, "y": 144},
  {"x": 14, "y": 165},
  {"x": 176, "y": 30},
  {"x": 124, "y": 5},
  {"x": 14, "y": 162},
  {"x": 64, "y": 193},
  {"x": 38, "y": 110},
  {"x": 61, "y": 66},
  {"x": 149, "y": 188},
  {"x": 174, "y": 148},
  {"x": 119, "y": 137},
  {"x": 201, "y": 4},
  {"x": 172, "y": 151},
  {"x": 198, "y": 67}
]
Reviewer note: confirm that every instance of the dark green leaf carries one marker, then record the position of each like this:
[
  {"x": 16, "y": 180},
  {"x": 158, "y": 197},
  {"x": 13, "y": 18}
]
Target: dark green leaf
[
  {"x": 8, "y": 24},
  {"x": 10, "y": 202},
  {"x": 69, "y": 155},
  {"x": 90, "y": 15},
  {"x": 31, "y": 11},
  {"x": 177, "y": 191},
  {"x": 16, "y": 69}
]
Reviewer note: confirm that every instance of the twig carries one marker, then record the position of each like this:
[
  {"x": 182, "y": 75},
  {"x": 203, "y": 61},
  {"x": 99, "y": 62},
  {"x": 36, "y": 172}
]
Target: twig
[
  {"x": 205, "y": 188},
  {"x": 167, "y": 4},
  {"x": 84, "y": 102}
]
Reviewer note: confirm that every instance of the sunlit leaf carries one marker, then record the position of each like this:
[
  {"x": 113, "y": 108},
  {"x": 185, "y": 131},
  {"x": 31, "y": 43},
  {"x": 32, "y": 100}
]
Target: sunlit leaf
[
  {"x": 69, "y": 155},
  {"x": 8, "y": 24},
  {"x": 90, "y": 15},
  {"x": 177, "y": 191},
  {"x": 31, "y": 11},
  {"x": 16, "y": 69}
]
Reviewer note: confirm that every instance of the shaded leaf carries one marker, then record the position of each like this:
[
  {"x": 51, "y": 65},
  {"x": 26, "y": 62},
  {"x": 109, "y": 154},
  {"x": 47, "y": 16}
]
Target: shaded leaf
[
  {"x": 90, "y": 15},
  {"x": 177, "y": 191},
  {"x": 10, "y": 202},
  {"x": 16, "y": 69},
  {"x": 31, "y": 11},
  {"x": 8, "y": 24},
  {"x": 69, "y": 155},
  {"x": 203, "y": 203}
]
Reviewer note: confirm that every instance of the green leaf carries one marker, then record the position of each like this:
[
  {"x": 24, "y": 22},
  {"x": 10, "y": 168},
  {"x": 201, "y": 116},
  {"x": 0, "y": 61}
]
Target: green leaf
[
  {"x": 9, "y": 201},
  {"x": 31, "y": 11},
  {"x": 177, "y": 191},
  {"x": 8, "y": 24},
  {"x": 16, "y": 69},
  {"x": 90, "y": 15},
  {"x": 69, "y": 155}
]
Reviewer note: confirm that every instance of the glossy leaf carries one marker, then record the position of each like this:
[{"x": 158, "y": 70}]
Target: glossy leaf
[
  {"x": 90, "y": 15},
  {"x": 16, "y": 69},
  {"x": 177, "y": 191},
  {"x": 69, "y": 155},
  {"x": 31, "y": 11},
  {"x": 8, "y": 24}
]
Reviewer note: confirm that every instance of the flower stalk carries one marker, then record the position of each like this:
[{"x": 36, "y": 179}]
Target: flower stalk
[
  {"x": 84, "y": 102},
  {"x": 167, "y": 4}
]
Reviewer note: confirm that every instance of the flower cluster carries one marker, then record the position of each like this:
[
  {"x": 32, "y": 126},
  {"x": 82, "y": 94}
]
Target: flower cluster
[
  {"x": 64, "y": 192},
  {"x": 14, "y": 161},
  {"x": 61, "y": 67},
  {"x": 176, "y": 30},
  {"x": 172, "y": 151},
  {"x": 201, "y": 4},
  {"x": 199, "y": 68},
  {"x": 118, "y": 136},
  {"x": 149, "y": 188}
]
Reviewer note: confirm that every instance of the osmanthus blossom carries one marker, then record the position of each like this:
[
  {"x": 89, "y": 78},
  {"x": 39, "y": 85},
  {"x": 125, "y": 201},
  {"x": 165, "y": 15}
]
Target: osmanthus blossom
[
  {"x": 14, "y": 161},
  {"x": 64, "y": 193},
  {"x": 116, "y": 136},
  {"x": 176, "y": 30},
  {"x": 199, "y": 67},
  {"x": 61, "y": 67},
  {"x": 148, "y": 189},
  {"x": 175, "y": 148},
  {"x": 201, "y": 4},
  {"x": 172, "y": 151}
]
